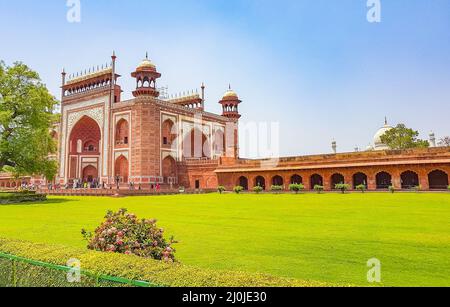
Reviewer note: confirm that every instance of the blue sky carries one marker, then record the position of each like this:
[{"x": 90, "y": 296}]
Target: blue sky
[{"x": 317, "y": 67}]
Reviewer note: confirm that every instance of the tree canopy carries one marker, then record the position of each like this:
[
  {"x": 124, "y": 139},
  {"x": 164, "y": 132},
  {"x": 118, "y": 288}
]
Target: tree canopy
[
  {"x": 402, "y": 137},
  {"x": 26, "y": 119}
]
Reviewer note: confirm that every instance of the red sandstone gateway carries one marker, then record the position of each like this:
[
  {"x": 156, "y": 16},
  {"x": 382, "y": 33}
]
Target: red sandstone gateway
[{"x": 170, "y": 142}]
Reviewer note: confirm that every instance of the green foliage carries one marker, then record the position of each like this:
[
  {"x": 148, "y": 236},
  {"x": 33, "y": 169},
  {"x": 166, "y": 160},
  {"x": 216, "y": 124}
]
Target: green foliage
[
  {"x": 221, "y": 189},
  {"x": 319, "y": 188},
  {"x": 276, "y": 188},
  {"x": 361, "y": 187},
  {"x": 123, "y": 233},
  {"x": 342, "y": 187},
  {"x": 258, "y": 189},
  {"x": 21, "y": 197},
  {"x": 392, "y": 189},
  {"x": 297, "y": 188},
  {"x": 26, "y": 118},
  {"x": 401, "y": 137},
  {"x": 129, "y": 267},
  {"x": 448, "y": 188},
  {"x": 238, "y": 189}
]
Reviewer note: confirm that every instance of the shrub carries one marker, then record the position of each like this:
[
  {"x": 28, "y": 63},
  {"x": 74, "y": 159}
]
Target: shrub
[
  {"x": 392, "y": 189},
  {"x": 21, "y": 197},
  {"x": 342, "y": 187},
  {"x": 181, "y": 190},
  {"x": 448, "y": 188},
  {"x": 319, "y": 188},
  {"x": 123, "y": 233},
  {"x": 276, "y": 188},
  {"x": 258, "y": 189},
  {"x": 238, "y": 189},
  {"x": 361, "y": 187},
  {"x": 134, "y": 268},
  {"x": 221, "y": 189},
  {"x": 297, "y": 188},
  {"x": 417, "y": 188}
]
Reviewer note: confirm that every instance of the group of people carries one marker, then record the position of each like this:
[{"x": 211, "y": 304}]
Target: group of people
[
  {"x": 153, "y": 187},
  {"x": 78, "y": 184},
  {"x": 25, "y": 186}
]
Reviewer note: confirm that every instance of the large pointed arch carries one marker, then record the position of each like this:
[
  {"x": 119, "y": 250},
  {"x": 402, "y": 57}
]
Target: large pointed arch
[{"x": 85, "y": 132}]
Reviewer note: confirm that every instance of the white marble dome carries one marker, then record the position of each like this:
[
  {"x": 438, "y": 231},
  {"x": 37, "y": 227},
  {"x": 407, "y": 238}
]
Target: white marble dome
[{"x": 378, "y": 144}]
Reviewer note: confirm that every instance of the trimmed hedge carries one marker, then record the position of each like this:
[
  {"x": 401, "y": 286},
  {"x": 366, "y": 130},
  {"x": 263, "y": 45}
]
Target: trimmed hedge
[
  {"x": 21, "y": 197},
  {"x": 135, "y": 268}
]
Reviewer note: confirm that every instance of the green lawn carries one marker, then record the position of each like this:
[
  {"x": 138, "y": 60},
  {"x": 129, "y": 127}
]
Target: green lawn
[{"x": 326, "y": 237}]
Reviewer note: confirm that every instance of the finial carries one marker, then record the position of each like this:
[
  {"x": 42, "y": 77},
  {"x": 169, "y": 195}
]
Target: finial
[
  {"x": 146, "y": 55},
  {"x": 229, "y": 86},
  {"x": 385, "y": 120},
  {"x": 64, "y": 71}
]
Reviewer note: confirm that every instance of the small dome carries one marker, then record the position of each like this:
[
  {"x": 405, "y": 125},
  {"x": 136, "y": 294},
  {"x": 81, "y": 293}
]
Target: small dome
[
  {"x": 230, "y": 93},
  {"x": 378, "y": 144},
  {"x": 147, "y": 64}
]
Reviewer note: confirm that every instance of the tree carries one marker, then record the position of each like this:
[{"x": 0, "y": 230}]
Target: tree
[
  {"x": 26, "y": 117},
  {"x": 238, "y": 189},
  {"x": 342, "y": 187},
  {"x": 401, "y": 137},
  {"x": 444, "y": 142}
]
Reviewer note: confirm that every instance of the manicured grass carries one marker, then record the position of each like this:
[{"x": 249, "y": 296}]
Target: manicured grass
[{"x": 326, "y": 237}]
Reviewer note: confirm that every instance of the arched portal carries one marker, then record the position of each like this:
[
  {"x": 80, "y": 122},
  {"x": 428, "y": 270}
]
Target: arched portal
[
  {"x": 84, "y": 142},
  {"x": 384, "y": 180},
  {"x": 243, "y": 182},
  {"x": 316, "y": 179},
  {"x": 337, "y": 179},
  {"x": 360, "y": 179},
  {"x": 438, "y": 180},
  {"x": 86, "y": 132},
  {"x": 121, "y": 169},
  {"x": 90, "y": 173},
  {"x": 296, "y": 179},
  {"x": 277, "y": 180},
  {"x": 169, "y": 134},
  {"x": 409, "y": 180},
  {"x": 196, "y": 145},
  {"x": 122, "y": 132},
  {"x": 260, "y": 182},
  {"x": 169, "y": 167}
]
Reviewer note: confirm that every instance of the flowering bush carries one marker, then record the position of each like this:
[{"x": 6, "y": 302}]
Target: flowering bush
[
  {"x": 221, "y": 189},
  {"x": 123, "y": 233}
]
